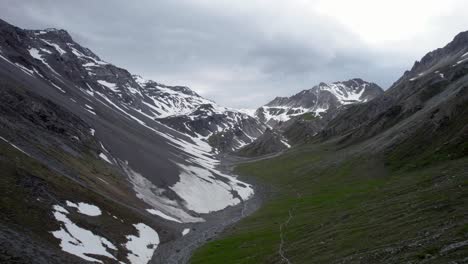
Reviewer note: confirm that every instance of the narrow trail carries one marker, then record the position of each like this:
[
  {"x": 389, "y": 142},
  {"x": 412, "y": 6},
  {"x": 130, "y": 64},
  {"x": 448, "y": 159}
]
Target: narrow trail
[
  {"x": 281, "y": 230},
  {"x": 280, "y": 249}
]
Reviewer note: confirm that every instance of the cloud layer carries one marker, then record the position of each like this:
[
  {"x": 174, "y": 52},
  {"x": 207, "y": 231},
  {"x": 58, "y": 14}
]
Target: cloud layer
[{"x": 244, "y": 53}]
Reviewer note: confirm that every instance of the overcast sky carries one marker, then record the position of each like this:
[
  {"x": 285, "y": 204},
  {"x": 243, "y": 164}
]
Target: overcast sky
[{"x": 243, "y": 53}]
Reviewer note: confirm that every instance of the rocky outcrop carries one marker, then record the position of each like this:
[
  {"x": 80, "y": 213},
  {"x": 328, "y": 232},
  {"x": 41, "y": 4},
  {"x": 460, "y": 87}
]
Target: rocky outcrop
[{"x": 270, "y": 142}]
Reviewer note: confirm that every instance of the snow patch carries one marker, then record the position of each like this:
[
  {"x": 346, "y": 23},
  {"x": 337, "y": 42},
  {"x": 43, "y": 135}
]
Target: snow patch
[
  {"x": 417, "y": 76},
  {"x": 91, "y": 111},
  {"x": 35, "y": 54},
  {"x": 185, "y": 231},
  {"x": 163, "y": 215},
  {"x": 79, "y": 241},
  {"x": 249, "y": 112},
  {"x": 154, "y": 196},
  {"x": 58, "y": 87},
  {"x": 85, "y": 208},
  {"x": 285, "y": 143},
  {"x": 24, "y": 69},
  {"x": 13, "y": 145},
  {"x": 143, "y": 245},
  {"x": 105, "y": 158},
  {"x": 109, "y": 85},
  {"x": 57, "y": 47}
]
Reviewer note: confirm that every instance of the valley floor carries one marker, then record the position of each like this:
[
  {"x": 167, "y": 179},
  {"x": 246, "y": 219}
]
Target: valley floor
[
  {"x": 341, "y": 206},
  {"x": 180, "y": 250}
]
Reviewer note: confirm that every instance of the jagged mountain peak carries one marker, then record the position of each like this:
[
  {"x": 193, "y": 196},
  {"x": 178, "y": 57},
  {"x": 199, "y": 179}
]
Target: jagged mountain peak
[
  {"x": 149, "y": 84},
  {"x": 59, "y": 33},
  {"x": 457, "y": 50}
]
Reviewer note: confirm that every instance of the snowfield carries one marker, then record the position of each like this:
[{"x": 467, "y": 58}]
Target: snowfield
[
  {"x": 201, "y": 192},
  {"x": 197, "y": 178},
  {"x": 153, "y": 196}
]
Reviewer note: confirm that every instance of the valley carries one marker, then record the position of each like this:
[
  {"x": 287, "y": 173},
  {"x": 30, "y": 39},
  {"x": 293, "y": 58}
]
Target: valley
[
  {"x": 328, "y": 205},
  {"x": 100, "y": 165}
]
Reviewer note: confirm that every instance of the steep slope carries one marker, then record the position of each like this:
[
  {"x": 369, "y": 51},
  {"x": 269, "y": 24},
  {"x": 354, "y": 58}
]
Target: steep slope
[
  {"x": 54, "y": 56},
  {"x": 317, "y": 100},
  {"x": 425, "y": 110},
  {"x": 385, "y": 182},
  {"x": 88, "y": 132},
  {"x": 187, "y": 112},
  {"x": 270, "y": 142}
]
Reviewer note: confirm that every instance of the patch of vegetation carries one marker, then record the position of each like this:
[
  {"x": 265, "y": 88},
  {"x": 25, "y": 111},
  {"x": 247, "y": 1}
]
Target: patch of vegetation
[
  {"x": 348, "y": 208},
  {"x": 308, "y": 116}
]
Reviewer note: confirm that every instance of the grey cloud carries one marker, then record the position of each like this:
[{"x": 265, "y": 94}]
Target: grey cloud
[{"x": 237, "y": 59}]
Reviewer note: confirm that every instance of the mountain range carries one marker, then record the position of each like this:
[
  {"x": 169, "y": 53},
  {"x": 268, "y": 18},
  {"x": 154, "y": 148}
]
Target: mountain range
[{"x": 102, "y": 165}]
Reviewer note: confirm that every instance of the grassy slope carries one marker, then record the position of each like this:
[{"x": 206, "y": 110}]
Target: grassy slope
[{"x": 350, "y": 209}]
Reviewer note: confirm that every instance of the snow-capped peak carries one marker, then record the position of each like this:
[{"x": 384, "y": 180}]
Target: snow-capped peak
[{"x": 318, "y": 100}]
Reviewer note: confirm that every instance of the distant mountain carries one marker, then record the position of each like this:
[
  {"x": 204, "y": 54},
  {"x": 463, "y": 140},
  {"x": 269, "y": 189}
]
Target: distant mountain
[
  {"x": 187, "y": 112},
  {"x": 318, "y": 100}
]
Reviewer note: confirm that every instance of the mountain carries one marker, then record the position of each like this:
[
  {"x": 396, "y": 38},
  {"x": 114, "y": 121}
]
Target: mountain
[
  {"x": 271, "y": 141},
  {"x": 382, "y": 181},
  {"x": 53, "y": 55},
  {"x": 318, "y": 100},
  {"x": 301, "y": 116},
  {"x": 185, "y": 111},
  {"x": 425, "y": 111},
  {"x": 96, "y": 161}
]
